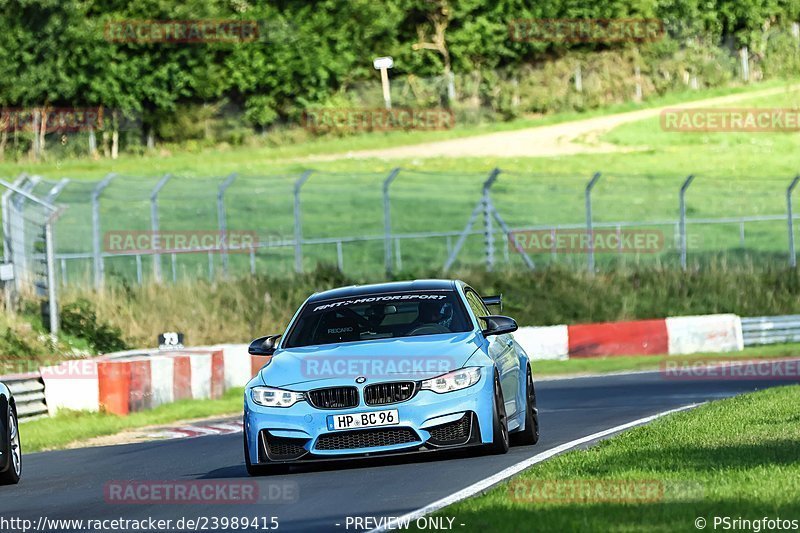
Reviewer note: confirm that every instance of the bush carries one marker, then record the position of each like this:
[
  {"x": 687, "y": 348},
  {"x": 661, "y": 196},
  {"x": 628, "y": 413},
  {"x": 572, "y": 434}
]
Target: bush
[{"x": 80, "y": 319}]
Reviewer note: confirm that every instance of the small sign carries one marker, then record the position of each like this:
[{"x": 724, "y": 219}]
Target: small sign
[
  {"x": 6, "y": 272},
  {"x": 170, "y": 340},
  {"x": 383, "y": 62}
]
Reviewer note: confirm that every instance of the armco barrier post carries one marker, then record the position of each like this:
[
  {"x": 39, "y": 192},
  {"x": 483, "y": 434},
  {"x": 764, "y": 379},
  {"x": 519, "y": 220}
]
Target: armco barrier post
[
  {"x": 488, "y": 226},
  {"x": 154, "y": 225},
  {"x": 99, "y": 267},
  {"x": 222, "y": 219},
  {"x": 387, "y": 221},
  {"x": 588, "y": 206},
  {"x": 298, "y": 228},
  {"x": 790, "y": 221},
  {"x": 682, "y": 224}
]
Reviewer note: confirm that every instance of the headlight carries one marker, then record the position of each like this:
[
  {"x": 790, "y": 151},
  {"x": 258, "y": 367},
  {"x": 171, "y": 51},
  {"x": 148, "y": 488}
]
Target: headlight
[
  {"x": 270, "y": 397},
  {"x": 455, "y": 380}
]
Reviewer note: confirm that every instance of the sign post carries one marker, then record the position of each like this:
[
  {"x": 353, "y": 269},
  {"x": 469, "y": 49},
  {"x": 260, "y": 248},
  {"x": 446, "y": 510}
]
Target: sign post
[{"x": 384, "y": 64}]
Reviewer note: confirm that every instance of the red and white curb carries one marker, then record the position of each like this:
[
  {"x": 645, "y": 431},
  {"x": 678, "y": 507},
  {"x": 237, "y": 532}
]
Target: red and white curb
[{"x": 201, "y": 430}]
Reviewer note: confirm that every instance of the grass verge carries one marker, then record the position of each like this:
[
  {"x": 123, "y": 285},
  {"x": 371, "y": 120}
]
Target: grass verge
[
  {"x": 733, "y": 458},
  {"x": 600, "y": 365},
  {"x": 74, "y": 426}
]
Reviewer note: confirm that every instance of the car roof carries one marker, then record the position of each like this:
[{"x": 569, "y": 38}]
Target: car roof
[{"x": 376, "y": 288}]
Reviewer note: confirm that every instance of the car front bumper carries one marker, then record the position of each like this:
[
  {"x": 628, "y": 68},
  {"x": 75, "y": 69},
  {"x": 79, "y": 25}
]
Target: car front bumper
[{"x": 428, "y": 421}]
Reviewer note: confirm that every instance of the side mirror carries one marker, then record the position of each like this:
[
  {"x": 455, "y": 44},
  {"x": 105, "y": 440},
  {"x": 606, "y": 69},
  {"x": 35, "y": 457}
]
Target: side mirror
[
  {"x": 264, "y": 345},
  {"x": 498, "y": 325}
]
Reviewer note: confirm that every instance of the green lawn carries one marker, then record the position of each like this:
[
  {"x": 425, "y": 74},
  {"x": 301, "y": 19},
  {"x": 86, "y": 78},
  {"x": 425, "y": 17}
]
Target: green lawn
[
  {"x": 70, "y": 427},
  {"x": 732, "y": 458},
  {"x": 599, "y": 365}
]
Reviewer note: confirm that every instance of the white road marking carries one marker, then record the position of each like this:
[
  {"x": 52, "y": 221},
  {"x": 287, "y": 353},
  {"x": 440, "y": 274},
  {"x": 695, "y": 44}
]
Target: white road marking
[{"x": 513, "y": 470}]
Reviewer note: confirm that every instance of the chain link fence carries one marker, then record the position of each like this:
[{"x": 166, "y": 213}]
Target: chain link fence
[
  {"x": 29, "y": 261},
  {"x": 135, "y": 229}
]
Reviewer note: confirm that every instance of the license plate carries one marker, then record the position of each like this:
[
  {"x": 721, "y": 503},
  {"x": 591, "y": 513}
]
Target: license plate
[{"x": 364, "y": 420}]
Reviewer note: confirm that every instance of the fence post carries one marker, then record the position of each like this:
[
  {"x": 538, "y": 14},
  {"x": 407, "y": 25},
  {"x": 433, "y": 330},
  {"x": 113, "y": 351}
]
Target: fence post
[
  {"x": 790, "y": 221},
  {"x": 488, "y": 226},
  {"x": 52, "y": 293},
  {"x": 298, "y": 228},
  {"x": 589, "y": 231},
  {"x": 56, "y": 190},
  {"x": 154, "y": 225},
  {"x": 6, "y": 206},
  {"x": 222, "y": 220},
  {"x": 387, "y": 220},
  {"x": 682, "y": 223},
  {"x": 99, "y": 266}
]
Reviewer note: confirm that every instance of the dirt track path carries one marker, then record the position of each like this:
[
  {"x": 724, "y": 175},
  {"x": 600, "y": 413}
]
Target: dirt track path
[{"x": 566, "y": 138}]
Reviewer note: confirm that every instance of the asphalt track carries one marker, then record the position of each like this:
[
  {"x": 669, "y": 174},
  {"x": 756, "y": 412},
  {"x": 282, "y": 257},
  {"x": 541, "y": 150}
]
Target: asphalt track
[{"x": 73, "y": 484}]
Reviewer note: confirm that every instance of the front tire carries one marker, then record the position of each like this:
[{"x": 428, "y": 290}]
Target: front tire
[
  {"x": 13, "y": 450},
  {"x": 500, "y": 441},
  {"x": 529, "y": 435}
]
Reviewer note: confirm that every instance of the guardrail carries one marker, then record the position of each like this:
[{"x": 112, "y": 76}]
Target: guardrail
[
  {"x": 770, "y": 329},
  {"x": 28, "y": 392}
]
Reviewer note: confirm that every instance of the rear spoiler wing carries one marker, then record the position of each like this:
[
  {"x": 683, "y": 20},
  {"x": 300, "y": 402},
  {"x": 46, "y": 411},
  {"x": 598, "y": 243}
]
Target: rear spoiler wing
[{"x": 494, "y": 300}]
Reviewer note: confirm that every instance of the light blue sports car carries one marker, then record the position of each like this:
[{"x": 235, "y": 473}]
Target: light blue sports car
[{"x": 385, "y": 369}]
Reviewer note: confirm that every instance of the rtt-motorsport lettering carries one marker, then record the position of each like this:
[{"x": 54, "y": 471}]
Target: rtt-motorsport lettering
[{"x": 381, "y": 299}]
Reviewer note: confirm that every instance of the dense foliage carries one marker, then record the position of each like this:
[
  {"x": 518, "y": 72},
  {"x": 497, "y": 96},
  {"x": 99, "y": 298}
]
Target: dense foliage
[{"x": 58, "y": 52}]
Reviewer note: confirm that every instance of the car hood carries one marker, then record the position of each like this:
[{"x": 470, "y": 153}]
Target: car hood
[{"x": 330, "y": 365}]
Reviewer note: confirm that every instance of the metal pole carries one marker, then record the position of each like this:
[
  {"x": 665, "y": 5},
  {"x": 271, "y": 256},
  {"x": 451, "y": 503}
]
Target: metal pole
[
  {"x": 398, "y": 254},
  {"x": 139, "y": 269},
  {"x": 339, "y": 256},
  {"x": 6, "y": 206},
  {"x": 56, "y": 190},
  {"x": 19, "y": 229},
  {"x": 387, "y": 221},
  {"x": 222, "y": 219},
  {"x": 682, "y": 223},
  {"x": 154, "y": 225},
  {"x": 298, "y": 228},
  {"x": 589, "y": 231},
  {"x": 99, "y": 267},
  {"x": 52, "y": 294},
  {"x": 790, "y": 221},
  {"x": 488, "y": 226}
]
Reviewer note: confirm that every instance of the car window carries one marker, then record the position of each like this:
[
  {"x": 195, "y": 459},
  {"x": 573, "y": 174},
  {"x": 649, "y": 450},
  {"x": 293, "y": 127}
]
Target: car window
[
  {"x": 479, "y": 309},
  {"x": 379, "y": 316}
]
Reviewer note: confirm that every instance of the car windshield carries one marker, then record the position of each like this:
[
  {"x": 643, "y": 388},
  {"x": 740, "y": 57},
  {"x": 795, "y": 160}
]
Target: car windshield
[{"x": 378, "y": 316}]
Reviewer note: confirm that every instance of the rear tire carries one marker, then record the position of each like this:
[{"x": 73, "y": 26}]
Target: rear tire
[
  {"x": 500, "y": 442},
  {"x": 13, "y": 449},
  {"x": 529, "y": 435}
]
